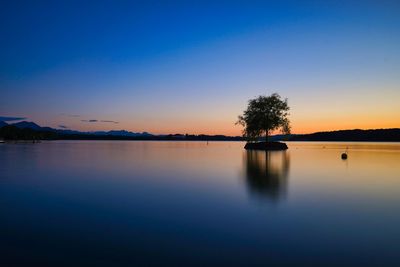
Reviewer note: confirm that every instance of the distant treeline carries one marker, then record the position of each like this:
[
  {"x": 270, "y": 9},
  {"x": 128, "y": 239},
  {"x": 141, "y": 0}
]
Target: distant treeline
[
  {"x": 377, "y": 135},
  {"x": 11, "y": 132},
  {"x": 171, "y": 137}
]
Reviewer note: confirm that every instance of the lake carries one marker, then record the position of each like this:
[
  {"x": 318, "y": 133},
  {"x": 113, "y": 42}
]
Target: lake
[{"x": 126, "y": 203}]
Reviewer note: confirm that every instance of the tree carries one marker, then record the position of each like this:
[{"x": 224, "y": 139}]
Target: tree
[{"x": 263, "y": 115}]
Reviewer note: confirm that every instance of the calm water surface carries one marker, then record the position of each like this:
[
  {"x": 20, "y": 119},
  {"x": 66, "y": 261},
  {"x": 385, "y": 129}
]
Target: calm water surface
[{"x": 114, "y": 203}]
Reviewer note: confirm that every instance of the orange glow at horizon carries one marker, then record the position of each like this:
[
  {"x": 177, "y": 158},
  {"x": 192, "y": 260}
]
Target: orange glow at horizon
[{"x": 225, "y": 125}]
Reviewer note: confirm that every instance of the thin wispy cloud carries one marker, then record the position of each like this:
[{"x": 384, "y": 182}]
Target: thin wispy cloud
[
  {"x": 11, "y": 118},
  {"x": 70, "y": 115},
  {"x": 109, "y": 121},
  {"x": 105, "y": 121},
  {"x": 63, "y": 126}
]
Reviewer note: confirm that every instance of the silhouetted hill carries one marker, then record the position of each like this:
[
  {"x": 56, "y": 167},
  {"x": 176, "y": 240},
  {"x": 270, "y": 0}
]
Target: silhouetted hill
[
  {"x": 357, "y": 135},
  {"x": 11, "y": 132},
  {"x": 2, "y": 124},
  {"x": 27, "y": 125}
]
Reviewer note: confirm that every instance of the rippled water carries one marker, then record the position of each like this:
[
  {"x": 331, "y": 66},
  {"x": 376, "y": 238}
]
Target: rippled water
[{"x": 115, "y": 203}]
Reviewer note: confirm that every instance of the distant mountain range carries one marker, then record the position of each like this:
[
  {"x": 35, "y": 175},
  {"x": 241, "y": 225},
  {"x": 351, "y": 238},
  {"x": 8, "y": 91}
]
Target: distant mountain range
[
  {"x": 25, "y": 130},
  {"x": 35, "y": 127}
]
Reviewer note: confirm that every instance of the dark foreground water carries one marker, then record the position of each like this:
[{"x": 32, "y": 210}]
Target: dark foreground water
[{"x": 114, "y": 203}]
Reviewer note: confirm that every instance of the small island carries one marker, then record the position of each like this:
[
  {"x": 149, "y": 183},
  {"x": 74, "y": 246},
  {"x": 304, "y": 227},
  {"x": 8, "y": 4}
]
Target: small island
[
  {"x": 264, "y": 115},
  {"x": 265, "y": 146}
]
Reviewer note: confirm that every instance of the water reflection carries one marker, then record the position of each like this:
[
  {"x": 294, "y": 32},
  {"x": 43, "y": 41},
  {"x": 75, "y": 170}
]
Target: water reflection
[
  {"x": 107, "y": 203},
  {"x": 266, "y": 173}
]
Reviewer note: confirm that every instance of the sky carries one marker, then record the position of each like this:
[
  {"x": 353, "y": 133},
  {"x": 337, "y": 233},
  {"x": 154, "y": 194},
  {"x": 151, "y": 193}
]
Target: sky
[{"x": 191, "y": 66}]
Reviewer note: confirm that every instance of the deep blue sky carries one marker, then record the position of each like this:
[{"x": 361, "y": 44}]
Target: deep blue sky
[{"x": 187, "y": 66}]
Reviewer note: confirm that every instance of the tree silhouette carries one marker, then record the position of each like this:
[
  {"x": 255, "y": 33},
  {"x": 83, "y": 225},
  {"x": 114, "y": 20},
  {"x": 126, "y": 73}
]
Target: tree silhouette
[{"x": 263, "y": 115}]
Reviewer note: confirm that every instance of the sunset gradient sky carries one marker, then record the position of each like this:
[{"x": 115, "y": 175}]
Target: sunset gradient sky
[{"x": 191, "y": 66}]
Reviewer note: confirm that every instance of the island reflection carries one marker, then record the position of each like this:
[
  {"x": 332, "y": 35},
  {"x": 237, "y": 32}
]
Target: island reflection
[{"x": 266, "y": 173}]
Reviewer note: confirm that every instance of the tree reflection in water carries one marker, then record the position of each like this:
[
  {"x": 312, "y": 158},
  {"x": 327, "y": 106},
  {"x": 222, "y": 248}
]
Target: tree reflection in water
[{"x": 266, "y": 173}]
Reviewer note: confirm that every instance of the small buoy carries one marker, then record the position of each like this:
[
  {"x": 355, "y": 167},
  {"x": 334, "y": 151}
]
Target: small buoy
[{"x": 344, "y": 155}]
